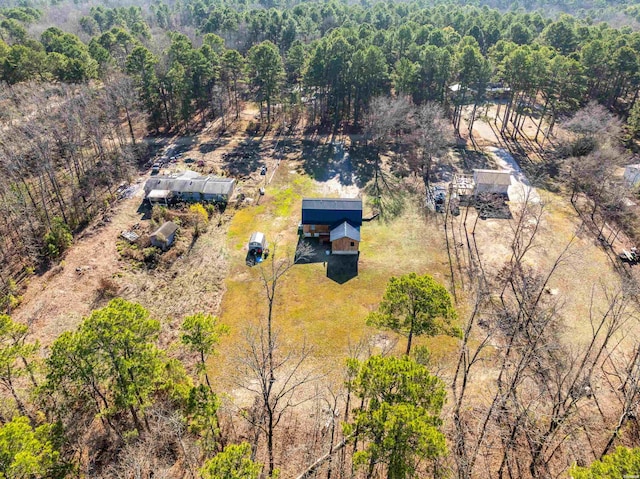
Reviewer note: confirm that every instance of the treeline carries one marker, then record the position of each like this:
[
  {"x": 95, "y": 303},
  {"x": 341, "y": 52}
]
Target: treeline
[
  {"x": 107, "y": 400},
  {"x": 332, "y": 58},
  {"x": 124, "y": 393},
  {"x": 194, "y": 61},
  {"x": 64, "y": 149}
]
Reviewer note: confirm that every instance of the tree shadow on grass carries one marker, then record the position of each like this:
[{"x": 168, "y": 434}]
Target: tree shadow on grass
[
  {"x": 365, "y": 160},
  {"x": 317, "y": 160},
  {"x": 244, "y": 159},
  {"x": 472, "y": 159},
  {"x": 213, "y": 145},
  {"x": 353, "y": 166}
]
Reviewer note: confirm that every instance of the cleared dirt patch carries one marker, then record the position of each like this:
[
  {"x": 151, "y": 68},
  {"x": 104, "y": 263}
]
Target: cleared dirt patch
[{"x": 56, "y": 301}]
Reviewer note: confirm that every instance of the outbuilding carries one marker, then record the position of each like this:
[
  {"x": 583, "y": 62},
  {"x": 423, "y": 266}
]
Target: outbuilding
[
  {"x": 164, "y": 236},
  {"x": 345, "y": 239},
  {"x": 491, "y": 181}
]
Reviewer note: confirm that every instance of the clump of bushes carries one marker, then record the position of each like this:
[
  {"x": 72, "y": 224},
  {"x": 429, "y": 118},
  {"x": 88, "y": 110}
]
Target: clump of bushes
[
  {"x": 11, "y": 298},
  {"x": 58, "y": 239},
  {"x": 199, "y": 217}
]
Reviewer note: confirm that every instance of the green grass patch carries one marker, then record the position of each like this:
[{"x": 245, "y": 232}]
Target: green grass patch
[{"x": 283, "y": 202}]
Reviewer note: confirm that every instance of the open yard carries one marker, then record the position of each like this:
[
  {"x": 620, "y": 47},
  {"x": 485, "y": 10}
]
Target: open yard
[{"x": 326, "y": 309}]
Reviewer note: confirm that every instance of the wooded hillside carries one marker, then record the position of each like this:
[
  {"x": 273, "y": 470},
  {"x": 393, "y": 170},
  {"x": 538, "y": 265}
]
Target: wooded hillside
[{"x": 89, "y": 94}]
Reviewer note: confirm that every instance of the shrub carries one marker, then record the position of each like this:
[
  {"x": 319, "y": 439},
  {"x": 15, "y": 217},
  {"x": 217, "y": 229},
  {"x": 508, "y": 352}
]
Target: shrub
[
  {"x": 58, "y": 239},
  {"x": 200, "y": 213},
  {"x": 108, "y": 288},
  {"x": 159, "y": 214},
  {"x": 134, "y": 254},
  {"x": 211, "y": 209},
  {"x": 151, "y": 255}
]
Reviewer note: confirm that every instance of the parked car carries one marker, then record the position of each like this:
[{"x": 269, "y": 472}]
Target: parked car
[
  {"x": 155, "y": 168},
  {"x": 263, "y": 170}
]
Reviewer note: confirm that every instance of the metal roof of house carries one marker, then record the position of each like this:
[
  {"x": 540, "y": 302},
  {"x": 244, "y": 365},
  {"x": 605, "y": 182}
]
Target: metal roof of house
[
  {"x": 166, "y": 229},
  {"x": 331, "y": 211},
  {"x": 219, "y": 186},
  {"x": 189, "y": 174},
  {"x": 492, "y": 177},
  {"x": 211, "y": 185},
  {"x": 344, "y": 230},
  {"x": 332, "y": 204}
]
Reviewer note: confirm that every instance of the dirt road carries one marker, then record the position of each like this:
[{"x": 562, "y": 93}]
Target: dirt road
[{"x": 56, "y": 301}]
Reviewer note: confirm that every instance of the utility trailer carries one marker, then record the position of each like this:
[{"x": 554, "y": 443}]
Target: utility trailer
[
  {"x": 257, "y": 249},
  {"x": 257, "y": 243}
]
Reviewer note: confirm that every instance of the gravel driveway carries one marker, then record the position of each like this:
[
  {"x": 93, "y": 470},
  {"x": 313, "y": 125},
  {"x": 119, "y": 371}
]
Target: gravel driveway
[{"x": 520, "y": 190}]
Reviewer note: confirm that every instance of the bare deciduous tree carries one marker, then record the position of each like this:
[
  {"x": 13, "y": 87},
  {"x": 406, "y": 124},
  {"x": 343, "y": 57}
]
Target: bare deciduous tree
[
  {"x": 433, "y": 134},
  {"x": 277, "y": 378}
]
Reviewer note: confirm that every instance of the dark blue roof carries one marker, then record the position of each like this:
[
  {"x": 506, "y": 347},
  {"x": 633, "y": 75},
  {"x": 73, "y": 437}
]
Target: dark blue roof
[{"x": 331, "y": 211}]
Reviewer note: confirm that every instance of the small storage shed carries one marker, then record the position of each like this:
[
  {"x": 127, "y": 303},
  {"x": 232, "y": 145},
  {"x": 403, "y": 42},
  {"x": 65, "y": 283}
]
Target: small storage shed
[
  {"x": 632, "y": 175},
  {"x": 492, "y": 181},
  {"x": 164, "y": 236},
  {"x": 345, "y": 239}
]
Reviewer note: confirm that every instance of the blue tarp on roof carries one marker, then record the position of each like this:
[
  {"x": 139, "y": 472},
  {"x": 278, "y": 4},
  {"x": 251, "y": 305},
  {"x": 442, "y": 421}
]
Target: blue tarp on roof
[{"x": 331, "y": 211}]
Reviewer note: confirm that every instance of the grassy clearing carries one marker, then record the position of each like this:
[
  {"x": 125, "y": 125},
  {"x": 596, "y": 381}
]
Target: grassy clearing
[{"x": 311, "y": 307}]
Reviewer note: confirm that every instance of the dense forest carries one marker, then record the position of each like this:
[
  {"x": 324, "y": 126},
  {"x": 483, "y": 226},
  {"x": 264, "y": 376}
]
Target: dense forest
[{"x": 87, "y": 88}]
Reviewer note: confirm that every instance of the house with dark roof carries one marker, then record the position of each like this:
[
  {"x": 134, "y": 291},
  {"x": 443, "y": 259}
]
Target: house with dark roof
[{"x": 337, "y": 220}]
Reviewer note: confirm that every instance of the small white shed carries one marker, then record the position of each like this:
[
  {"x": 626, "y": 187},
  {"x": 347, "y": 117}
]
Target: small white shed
[
  {"x": 632, "y": 175},
  {"x": 492, "y": 181}
]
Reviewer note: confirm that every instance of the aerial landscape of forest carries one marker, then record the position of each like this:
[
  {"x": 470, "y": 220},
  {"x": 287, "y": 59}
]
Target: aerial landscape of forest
[{"x": 319, "y": 239}]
